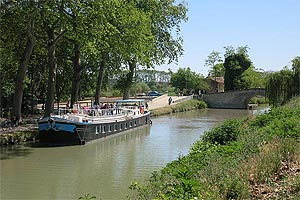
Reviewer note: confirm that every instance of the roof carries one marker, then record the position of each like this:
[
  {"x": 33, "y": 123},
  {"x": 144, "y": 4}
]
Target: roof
[
  {"x": 130, "y": 100},
  {"x": 218, "y": 79}
]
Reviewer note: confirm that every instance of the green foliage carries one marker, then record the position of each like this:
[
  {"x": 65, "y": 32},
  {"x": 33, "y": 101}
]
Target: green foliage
[
  {"x": 234, "y": 66},
  {"x": 284, "y": 85},
  {"x": 282, "y": 122},
  {"x": 258, "y": 100},
  {"x": 17, "y": 137},
  {"x": 140, "y": 87},
  {"x": 107, "y": 33},
  {"x": 231, "y": 159},
  {"x": 218, "y": 71},
  {"x": 227, "y": 132},
  {"x": 186, "y": 80},
  {"x": 213, "y": 61},
  {"x": 253, "y": 79},
  {"x": 111, "y": 93}
]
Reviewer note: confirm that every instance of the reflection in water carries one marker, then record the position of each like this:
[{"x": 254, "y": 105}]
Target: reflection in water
[
  {"x": 104, "y": 168},
  {"x": 13, "y": 151}
]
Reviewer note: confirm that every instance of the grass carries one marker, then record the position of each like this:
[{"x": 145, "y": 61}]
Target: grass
[{"x": 241, "y": 159}]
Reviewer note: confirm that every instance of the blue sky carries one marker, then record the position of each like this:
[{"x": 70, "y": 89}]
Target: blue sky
[{"x": 270, "y": 28}]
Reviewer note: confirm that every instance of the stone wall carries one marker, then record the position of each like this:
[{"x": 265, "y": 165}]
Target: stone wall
[{"x": 238, "y": 99}]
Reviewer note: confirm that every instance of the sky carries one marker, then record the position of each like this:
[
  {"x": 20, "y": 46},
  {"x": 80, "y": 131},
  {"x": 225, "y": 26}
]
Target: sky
[{"x": 270, "y": 28}]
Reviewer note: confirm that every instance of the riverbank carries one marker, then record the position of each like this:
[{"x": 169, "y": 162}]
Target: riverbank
[
  {"x": 241, "y": 159},
  {"x": 179, "y": 107},
  {"x": 21, "y": 133}
]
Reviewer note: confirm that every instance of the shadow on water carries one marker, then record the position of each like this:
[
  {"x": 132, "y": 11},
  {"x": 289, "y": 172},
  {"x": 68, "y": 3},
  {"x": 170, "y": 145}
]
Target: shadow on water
[
  {"x": 14, "y": 151},
  {"x": 44, "y": 145},
  {"x": 9, "y": 152}
]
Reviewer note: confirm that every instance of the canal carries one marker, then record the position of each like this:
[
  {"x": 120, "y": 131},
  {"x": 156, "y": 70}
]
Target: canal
[{"x": 104, "y": 168}]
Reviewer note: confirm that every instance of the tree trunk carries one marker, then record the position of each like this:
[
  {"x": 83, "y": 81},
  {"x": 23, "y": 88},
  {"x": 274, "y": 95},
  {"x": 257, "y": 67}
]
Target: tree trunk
[
  {"x": 77, "y": 69},
  {"x": 49, "y": 106},
  {"x": 21, "y": 74},
  {"x": 1, "y": 106},
  {"x": 129, "y": 79},
  {"x": 100, "y": 77}
]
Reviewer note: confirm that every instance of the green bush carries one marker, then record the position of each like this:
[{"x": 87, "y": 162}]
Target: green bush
[
  {"x": 231, "y": 159},
  {"x": 227, "y": 132},
  {"x": 17, "y": 137}
]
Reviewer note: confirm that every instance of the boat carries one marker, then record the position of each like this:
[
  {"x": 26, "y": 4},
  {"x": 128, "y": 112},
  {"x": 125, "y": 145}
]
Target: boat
[{"x": 80, "y": 125}]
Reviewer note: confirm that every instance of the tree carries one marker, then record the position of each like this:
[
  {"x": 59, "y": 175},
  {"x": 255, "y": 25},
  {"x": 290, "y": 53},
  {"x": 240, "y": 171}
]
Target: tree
[
  {"x": 213, "y": 58},
  {"x": 54, "y": 26},
  {"x": 278, "y": 87},
  {"x": 251, "y": 78},
  {"x": 235, "y": 64},
  {"x": 284, "y": 85},
  {"x": 93, "y": 40},
  {"x": 159, "y": 44},
  {"x": 187, "y": 81},
  {"x": 296, "y": 71},
  {"x": 19, "y": 33}
]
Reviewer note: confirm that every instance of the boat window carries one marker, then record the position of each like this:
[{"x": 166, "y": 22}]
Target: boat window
[
  {"x": 134, "y": 122},
  {"x": 104, "y": 128},
  {"x": 98, "y": 128},
  {"x": 130, "y": 124},
  {"x": 121, "y": 126},
  {"x": 126, "y": 125},
  {"x": 116, "y": 127},
  {"x": 109, "y": 128}
]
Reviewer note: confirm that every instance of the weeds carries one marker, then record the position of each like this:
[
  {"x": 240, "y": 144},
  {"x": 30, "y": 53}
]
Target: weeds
[{"x": 241, "y": 159}]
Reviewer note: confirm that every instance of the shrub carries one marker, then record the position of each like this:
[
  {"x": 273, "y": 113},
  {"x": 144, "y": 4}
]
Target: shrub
[
  {"x": 227, "y": 132},
  {"x": 234, "y": 160}
]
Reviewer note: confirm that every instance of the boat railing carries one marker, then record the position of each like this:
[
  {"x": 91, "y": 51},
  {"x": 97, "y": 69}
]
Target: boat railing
[{"x": 105, "y": 112}]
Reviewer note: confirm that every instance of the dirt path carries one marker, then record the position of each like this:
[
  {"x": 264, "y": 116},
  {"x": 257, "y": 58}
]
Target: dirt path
[{"x": 163, "y": 101}]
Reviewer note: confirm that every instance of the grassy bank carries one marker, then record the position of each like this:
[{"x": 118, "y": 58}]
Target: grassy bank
[
  {"x": 179, "y": 107},
  {"x": 17, "y": 137},
  {"x": 256, "y": 158}
]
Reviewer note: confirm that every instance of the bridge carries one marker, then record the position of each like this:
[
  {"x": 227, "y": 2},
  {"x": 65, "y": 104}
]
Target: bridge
[{"x": 237, "y": 99}]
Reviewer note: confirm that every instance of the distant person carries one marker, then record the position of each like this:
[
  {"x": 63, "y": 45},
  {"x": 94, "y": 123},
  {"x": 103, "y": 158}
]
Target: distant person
[
  {"x": 68, "y": 105},
  {"x": 170, "y": 100},
  {"x": 147, "y": 105}
]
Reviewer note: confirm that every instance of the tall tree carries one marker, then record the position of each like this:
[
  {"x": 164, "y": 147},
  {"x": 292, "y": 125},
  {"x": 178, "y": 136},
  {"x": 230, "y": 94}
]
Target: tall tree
[
  {"x": 163, "y": 43},
  {"x": 21, "y": 74},
  {"x": 78, "y": 12},
  {"x": 54, "y": 25},
  {"x": 236, "y": 62},
  {"x": 284, "y": 85},
  {"x": 211, "y": 61},
  {"x": 296, "y": 71},
  {"x": 22, "y": 32}
]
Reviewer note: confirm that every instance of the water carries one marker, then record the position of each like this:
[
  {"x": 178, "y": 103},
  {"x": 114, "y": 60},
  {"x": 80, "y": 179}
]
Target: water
[{"x": 107, "y": 167}]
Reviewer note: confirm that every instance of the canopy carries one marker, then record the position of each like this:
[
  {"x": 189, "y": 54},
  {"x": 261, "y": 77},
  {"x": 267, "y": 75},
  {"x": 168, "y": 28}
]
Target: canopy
[{"x": 130, "y": 101}]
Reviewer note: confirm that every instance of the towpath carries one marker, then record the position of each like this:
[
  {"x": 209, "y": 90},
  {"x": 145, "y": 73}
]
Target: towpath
[{"x": 163, "y": 101}]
